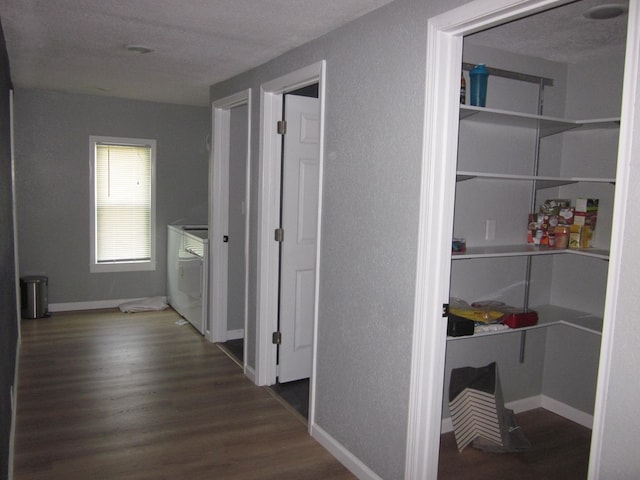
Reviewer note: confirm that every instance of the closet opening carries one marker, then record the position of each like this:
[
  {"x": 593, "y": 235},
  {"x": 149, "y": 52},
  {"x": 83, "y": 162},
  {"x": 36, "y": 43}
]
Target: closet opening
[{"x": 536, "y": 167}]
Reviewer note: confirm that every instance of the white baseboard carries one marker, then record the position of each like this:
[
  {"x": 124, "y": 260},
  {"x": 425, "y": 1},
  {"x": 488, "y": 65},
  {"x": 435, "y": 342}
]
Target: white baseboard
[
  {"x": 14, "y": 409},
  {"x": 250, "y": 373},
  {"x": 235, "y": 334},
  {"x": 94, "y": 305},
  {"x": 568, "y": 412},
  {"x": 538, "y": 401},
  {"x": 517, "y": 406},
  {"x": 343, "y": 455}
]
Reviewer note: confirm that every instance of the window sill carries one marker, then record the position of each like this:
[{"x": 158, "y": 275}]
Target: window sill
[{"x": 122, "y": 267}]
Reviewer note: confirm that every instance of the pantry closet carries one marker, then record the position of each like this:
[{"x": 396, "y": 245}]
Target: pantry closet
[{"x": 549, "y": 131}]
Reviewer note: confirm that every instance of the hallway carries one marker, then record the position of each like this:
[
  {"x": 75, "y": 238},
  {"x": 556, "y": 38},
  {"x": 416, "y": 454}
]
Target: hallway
[{"x": 106, "y": 395}]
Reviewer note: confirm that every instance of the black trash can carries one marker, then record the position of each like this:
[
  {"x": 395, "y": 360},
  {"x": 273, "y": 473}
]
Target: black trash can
[{"x": 34, "y": 296}]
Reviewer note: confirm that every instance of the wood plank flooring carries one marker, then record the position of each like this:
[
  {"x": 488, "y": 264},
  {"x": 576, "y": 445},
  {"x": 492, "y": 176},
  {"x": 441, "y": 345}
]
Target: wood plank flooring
[
  {"x": 559, "y": 451},
  {"x": 107, "y": 395}
]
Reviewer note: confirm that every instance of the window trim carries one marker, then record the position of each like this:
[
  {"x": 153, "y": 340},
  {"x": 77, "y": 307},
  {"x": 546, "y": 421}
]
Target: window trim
[{"x": 136, "y": 266}]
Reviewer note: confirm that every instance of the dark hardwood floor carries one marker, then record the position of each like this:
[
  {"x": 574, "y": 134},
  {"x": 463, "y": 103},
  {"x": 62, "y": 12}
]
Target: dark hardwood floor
[
  {"x": 559, "y": 451},
  {"x": 295, "y": 394},
  {"x": 107, "y": 395}
]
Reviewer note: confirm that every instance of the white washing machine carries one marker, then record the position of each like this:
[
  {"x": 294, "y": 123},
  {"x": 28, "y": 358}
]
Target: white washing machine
[{"x": 188, "y": 273}]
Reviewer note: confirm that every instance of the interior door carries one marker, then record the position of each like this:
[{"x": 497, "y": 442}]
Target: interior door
[{"x": 300, "y": 183}]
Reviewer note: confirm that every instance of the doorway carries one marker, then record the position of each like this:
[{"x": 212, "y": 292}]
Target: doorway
[
  {"x": 229, "y": 221},
  {"x": 276, "y": 96},
  {"x": 441, "y": 145},
  {"x": 299, "y": 223}
]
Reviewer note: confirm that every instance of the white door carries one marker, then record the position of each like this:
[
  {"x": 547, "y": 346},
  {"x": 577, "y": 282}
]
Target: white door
[{"x": 300, "y": 180}]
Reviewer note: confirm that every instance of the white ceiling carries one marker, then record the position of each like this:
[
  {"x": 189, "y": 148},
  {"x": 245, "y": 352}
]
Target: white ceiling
[
  {"x": 78, "y": 46},
  {"x": 562, "y": 34}
]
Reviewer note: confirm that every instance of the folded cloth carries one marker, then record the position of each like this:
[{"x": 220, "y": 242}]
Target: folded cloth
[{"x": 144, "y": 305}]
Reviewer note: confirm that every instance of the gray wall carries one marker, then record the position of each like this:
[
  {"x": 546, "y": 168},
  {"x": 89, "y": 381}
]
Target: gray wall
[
  {"x": 52, "y": 163},
  {"x": 373, "y": 147},
  {"x": 375, "y": 97},
  {"x": 374, "y": 103},
  {"x": 8, "y": 313}
]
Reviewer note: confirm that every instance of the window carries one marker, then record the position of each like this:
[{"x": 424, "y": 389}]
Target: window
[{"x": 122, "y": 204}]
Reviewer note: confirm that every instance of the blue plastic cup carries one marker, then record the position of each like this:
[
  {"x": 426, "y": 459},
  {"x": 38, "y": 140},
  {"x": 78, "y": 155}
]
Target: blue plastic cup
[{"x": 478, "y": 75}]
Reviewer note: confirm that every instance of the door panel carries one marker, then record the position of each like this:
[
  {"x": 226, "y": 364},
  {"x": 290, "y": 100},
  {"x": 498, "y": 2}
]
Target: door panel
[
  {"x": 303, "y": 325},
  {"x": 299, "y": 220},
  {"x": 308, "y": 202}
]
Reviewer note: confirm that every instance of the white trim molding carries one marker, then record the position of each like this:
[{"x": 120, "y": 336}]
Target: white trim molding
[
  {"x": 219, "y": 212},
  {"x": 268, "y": 204},
  {"x": 343, "y": 455},
  {"x": 92, "y": 305},
  {"x": 268, "y": 211},
  {"x": 95, "y": 266},
  {"x": 250, "y": 373},
  {"x": 539, "y": 401},
  {"x": 14, "y": 410},
  {"x": 235, "y": 334},
  {"x": 628, "y": 150},
  {"x": 566, "y": 411},
  {"x": 522, "y": 405},
  {"x": 16, "y": 274}
]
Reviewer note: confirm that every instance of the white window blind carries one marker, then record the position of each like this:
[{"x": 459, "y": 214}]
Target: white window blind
[{"x": 123, "y": 203}]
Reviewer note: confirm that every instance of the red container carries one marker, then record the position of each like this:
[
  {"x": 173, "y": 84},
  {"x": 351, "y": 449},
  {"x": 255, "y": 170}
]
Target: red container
[{"x": 520, "y": 319}]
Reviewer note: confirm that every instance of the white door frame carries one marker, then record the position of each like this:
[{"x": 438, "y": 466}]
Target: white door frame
[
  {"x": 628, "y": 150},
  {"x": 269, "y": 213},
  {"x": 219, "y": 213},
  {"x": 444, "y": 57}
]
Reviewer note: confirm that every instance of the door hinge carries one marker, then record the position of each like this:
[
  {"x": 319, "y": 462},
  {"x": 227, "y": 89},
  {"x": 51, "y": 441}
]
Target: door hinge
[
  {"x": 279, "y": 235},
  {"x": 445, "y": 310},
  {"x": 282, "y": 127},
  {"x": 276, "y": 338}
]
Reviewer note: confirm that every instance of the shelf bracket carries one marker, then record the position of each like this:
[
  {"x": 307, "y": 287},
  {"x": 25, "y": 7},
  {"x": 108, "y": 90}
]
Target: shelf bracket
[
  {"x": 523, "y": 77},
  {"x": 523, "y": 345}
]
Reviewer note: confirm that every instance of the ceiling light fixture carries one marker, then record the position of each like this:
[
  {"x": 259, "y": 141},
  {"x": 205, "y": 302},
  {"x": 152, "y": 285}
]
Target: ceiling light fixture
[
  {"x": 141, "y": 49},
  {"x": 605, "y": 12}
]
